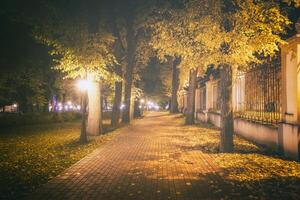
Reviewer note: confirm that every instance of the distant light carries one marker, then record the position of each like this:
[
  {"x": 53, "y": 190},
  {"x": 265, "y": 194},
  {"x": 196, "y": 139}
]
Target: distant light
[
  {"x": 60, "y": 108},
  {"x": 15, "y": 105},
  {"x": 140, "y": 106},
  {"x": 70, "y": 106},
  {"x": 78, "y": 107},
  {"x": 142, "y": 100},
  {"x": 83, "y": 85},
  {"x": 66, "y": 107},
  {"x": 59, "y": 104},
  {"x": 122, "y": 106},
  {"x": 69, "y": 102}
]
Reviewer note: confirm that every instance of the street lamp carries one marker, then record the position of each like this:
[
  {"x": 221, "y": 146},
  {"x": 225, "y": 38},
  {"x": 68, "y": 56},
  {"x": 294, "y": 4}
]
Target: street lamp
[{"x": 83, "y": 86}]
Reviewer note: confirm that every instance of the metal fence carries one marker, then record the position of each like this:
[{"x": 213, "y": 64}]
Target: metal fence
[{"x": 261, "y": 100}]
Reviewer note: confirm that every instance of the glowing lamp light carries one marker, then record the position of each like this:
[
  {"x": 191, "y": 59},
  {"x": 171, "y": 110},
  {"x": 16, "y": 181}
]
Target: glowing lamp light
[
  {"x": 69, "y": 102},
  {"x": 122, "y": 106},
  {"x": 15, "y": 105},
  {"x": 142, "y": 101},
  {"x": 83, "y": 85}
]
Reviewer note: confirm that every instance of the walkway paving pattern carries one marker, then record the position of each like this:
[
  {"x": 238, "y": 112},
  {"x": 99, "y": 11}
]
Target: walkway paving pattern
[{"x": 147, "y": 160}]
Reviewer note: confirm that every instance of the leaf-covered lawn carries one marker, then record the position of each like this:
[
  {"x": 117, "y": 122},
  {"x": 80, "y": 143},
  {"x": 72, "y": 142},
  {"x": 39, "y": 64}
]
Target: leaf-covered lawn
[
  {"x": 250, "y": 171},
  {"x": 32, "y": 155}
]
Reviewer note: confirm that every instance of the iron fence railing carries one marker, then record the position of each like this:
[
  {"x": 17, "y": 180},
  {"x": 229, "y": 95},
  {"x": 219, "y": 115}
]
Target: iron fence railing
[{"x": 261, "y": 101}]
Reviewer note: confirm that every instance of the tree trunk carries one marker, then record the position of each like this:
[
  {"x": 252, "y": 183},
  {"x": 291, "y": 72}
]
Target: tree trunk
[
  {"x": 119, "y": 51},
  {"x": 127, "y": 99},
  {"x": 137, "y": 110},
  {"x": 175, "y": 84},
  {"x": 115, "y": 115},
  {"x": 83, "y": 135},
  {"x": 63, "y": 101},
  {"x": 54, "y": 103},
  {"x": 94, "y": 114},
  {"x": 190, "y": 111},
  {"x": 126, "y": 117},
  {"x": 226, "y": 143}
]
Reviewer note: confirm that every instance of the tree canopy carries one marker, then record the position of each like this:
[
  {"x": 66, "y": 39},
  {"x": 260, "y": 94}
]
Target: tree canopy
[
  {"x": 218, "y": 32},
  {"x": 77, "y": 49}
]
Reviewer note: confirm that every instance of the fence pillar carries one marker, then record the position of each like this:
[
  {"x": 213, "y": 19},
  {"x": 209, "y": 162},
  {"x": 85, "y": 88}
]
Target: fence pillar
[
  {"x": 235, "y": 87},
  {"x": 209, "y": 94},
  {"x": 238, "y": 91},
  {"x": 289, "y": 134}
]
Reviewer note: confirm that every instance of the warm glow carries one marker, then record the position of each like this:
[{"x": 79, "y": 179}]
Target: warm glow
[
  {"x": 122, "y": 106},
  {"x": 83, "y": 85}
]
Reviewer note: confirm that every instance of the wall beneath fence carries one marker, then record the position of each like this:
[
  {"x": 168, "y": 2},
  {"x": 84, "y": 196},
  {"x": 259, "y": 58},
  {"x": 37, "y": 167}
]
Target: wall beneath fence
[
  {"x": 256, "y": 132},
  {"x": 214, "y": 118},
  {"x": 201, "y": 116}
]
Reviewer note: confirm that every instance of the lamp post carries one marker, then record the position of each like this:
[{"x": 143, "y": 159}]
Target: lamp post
[{"x": 83, "y": 86}]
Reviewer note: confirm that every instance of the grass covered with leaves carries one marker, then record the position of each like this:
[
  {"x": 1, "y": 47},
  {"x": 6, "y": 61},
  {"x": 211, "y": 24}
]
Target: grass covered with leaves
[
  {"x": 251, "y": 171},
  {"x": 31, "y": 155}
]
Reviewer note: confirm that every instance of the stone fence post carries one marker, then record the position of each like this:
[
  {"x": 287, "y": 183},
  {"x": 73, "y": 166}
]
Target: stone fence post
[
  {"x": 289, "y": 140},
  {"x": 197, "y": 102},
  {"x": 209, "y": 96}
]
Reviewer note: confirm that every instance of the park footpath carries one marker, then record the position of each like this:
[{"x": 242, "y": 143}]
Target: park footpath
[{"x": 150, "y": 159}]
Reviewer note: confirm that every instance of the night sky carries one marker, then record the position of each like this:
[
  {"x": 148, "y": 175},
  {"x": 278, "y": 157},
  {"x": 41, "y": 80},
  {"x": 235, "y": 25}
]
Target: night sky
[{"x": 18, "y": 49}]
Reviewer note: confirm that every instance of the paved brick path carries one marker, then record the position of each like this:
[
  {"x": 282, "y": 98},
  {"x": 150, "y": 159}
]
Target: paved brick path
[{"x": 147, "y": 160}]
